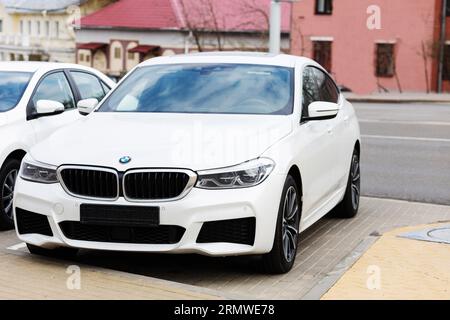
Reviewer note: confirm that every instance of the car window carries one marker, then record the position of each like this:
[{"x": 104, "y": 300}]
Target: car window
[
  {"x": 106, "y": 88},
  {"x": 310, "y": 90},
  {"x": 55, "y": 87},
  {"x": 205, "y": 88},
  {"x": 88, "y": 85},
  {"x": 12, "y": 87},
  {"x": 327, "y": 88}
]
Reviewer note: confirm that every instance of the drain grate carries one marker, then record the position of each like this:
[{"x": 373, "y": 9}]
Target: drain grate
[{"x": 433, "y": 234}]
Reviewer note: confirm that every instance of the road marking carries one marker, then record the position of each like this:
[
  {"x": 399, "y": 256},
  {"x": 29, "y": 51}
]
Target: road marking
[
  {"x": 17, "y": 247},
  {"x": 426, "y": 123},
  {"x": 405, "y": 138}
]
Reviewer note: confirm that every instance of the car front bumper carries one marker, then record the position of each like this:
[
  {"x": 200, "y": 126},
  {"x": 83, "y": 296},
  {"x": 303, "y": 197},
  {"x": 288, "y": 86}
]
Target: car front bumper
[{"x": 191, "y": 212}]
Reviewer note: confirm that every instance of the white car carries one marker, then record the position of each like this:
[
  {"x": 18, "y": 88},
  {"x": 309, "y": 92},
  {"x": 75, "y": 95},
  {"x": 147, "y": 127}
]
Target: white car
[
  {"x": 36, "y": 98},
  {"x": 219, "y": 154}
]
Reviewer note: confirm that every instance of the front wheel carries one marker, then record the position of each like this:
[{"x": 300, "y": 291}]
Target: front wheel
[
  {"x": 349, "y": 206},
  {"x": 282, "y": 257},
  {"x": 8, "y": 176}
]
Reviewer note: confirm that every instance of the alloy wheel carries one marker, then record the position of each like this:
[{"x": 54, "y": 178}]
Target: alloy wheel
[
  {"x": 291, "y": 220},
  {"x": 356, "y": 181},
  {"x": 8, "y": 193}
]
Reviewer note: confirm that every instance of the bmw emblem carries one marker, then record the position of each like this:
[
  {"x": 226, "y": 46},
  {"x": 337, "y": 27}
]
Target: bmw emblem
[{"x": 125, "y": 160}]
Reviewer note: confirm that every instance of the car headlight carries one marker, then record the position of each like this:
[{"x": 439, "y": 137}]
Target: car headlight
[
  {"x": 41, "y": 173},
  {"x": 247, "y": 174}
]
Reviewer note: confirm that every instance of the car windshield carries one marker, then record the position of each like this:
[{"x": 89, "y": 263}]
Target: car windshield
[
  {"x": 12, "y": 87},
  {"x": 205, "y": 88}
]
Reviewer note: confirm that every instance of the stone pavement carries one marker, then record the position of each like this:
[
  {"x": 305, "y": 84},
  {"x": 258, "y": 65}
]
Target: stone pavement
[
  {"x": 398, "y": 268},
  {"x": 323, "y": 247},
  {"x": 31, "y": 277}
]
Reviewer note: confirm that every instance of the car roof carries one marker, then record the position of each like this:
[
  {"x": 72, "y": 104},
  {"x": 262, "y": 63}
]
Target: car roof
[
  {"x": 28, "y": 66},
  {"x": 283, "y": 60}
]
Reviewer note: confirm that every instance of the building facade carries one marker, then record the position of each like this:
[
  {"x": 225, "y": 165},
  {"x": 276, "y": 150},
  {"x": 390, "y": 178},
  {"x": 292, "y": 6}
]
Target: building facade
[
  {"x": 42, "y": 30},
  {"x": 118, "y": 37},
  {"x": 377, "y": 46}
]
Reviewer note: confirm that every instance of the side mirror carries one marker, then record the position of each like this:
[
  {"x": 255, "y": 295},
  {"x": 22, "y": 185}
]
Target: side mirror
[
  {"x": 86, "y": 106},
  {"x": 320, "y": 110},
  {"x": 48, "y": 107}
]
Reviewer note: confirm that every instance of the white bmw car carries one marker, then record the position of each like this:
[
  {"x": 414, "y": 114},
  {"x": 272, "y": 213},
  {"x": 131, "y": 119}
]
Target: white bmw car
[
  {"x": 219, "y": 154},
  {"x": 37, "y": 98}
]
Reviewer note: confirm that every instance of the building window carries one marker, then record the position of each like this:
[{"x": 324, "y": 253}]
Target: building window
[
  {"x": 21, "y": 27},
  {"x": 117, "y": 53},
  {"x": 81, "y": 57},
  {"x": 47, "y": 28},
  {"x": 88, "y": 58},
  {"x": 29, "y": 28},
  {"x": 130, "y": 55},
  {"x": 57, "y": 29},
  {"x": 38, "y": 28},
  {"x": 322, "y": 53},
  {"x": 448, "y": 9},
  {"x": 324, "y": 6},
  {"x": 446, "y": 73},
  {"x": 1, "y": 25},
  {"x": 385, "y": 63}
]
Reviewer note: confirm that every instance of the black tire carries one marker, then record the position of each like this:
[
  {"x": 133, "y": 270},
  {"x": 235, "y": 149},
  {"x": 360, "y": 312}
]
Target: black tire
[
  {"x": 278, "y": 261},
  {"x": 8, "y": 174},
  {"x": 62, "y": 252},
  {"x": 349, "y": 206}
]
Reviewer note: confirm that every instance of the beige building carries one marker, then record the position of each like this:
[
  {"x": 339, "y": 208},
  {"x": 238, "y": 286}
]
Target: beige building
[{"x": 42, "y": 30}]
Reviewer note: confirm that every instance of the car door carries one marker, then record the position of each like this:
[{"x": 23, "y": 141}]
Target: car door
[
  {"x": 318, "y": 154},
  {"x": 336, "y": 128},
  {"x": 53, "y": 86}
]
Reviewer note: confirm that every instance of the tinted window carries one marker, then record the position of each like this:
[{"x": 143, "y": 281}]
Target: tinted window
[
  {"x": 88, "y": 85},
  {"x": 324, "y": 6},
  {"x": 205, "y": 88},
  {"x": 327, "y": 88},
  {"x": 106, "y": 89},
  {"x": 12, "y": 87},
  {"x": 310, "y": 90},
  {"x": 55, "y": 87}
]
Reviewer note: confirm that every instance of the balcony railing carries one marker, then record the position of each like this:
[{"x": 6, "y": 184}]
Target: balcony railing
[{"x": 18, "y": 40}]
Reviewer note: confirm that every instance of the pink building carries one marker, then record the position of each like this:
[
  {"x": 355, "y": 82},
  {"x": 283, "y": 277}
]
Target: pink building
[{"x": 376, "y": 46}]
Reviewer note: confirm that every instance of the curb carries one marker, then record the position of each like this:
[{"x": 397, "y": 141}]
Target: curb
[{"x": 395, "y": 100}]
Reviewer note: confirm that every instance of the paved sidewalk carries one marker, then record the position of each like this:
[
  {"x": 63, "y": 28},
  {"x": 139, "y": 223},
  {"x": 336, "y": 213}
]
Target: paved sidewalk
[
  {"x": 322, "y": 247},
  {"x": 24, "y": 276},
  {"x": 399, "y": 97},
  {"x": 398, "y": 268}
]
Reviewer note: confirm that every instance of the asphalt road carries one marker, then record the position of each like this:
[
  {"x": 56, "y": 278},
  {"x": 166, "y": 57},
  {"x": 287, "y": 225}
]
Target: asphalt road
[{"x": 406, "y": 151}]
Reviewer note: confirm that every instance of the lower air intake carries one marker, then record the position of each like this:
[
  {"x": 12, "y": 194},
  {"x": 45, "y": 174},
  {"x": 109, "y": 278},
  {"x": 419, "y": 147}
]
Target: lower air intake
[{"x": 241, "y": 231}]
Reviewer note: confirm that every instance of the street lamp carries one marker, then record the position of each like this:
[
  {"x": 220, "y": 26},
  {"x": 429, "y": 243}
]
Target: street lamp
[{"x": 275, "y": 25}]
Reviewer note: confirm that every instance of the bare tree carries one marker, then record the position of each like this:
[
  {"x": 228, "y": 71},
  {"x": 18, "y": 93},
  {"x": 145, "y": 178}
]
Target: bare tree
[{"x": 201, "y": 20}]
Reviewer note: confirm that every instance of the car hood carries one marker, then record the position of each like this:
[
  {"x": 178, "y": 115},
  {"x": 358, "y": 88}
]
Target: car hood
[
  {"x": 3, "y": 119},
  {"x": 190, "y": 141}
]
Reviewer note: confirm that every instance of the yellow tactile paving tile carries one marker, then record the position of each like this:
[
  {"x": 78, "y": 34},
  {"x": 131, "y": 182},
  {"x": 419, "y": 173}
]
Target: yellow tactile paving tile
[
  {"x": 27, "y": 277},
  {"x": 397, "y": 268}
]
